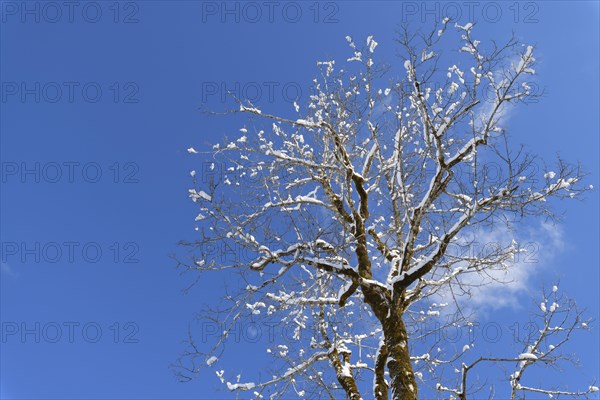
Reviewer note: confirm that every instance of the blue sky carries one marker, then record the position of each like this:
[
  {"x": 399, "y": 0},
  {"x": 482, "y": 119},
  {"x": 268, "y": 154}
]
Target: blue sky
[{"x": 98, "y": 108}]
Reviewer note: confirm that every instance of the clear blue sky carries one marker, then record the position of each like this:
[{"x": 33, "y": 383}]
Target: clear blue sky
[{"x": 86, "y": 93}]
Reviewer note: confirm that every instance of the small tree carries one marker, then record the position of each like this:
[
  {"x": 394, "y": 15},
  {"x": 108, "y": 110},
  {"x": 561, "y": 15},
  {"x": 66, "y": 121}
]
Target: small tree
[{"x": 348, "y": 212}]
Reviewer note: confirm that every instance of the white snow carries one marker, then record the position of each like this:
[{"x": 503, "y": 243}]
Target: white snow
[
  {"x": 467, "y": 27},
  {"x": 426, "y": 56},
  {"x": 526, "y": 59},
  {"x": 250, "y": 109},
  {"x": 211, "y": 361},
  {"x": 197, "y": 195},
  {"x": 240, "y": 386},
  {"x": 346, "y": 370},
  {"x": 369, "y": 157},
  {"x": 464, "y": 197},
  {"x": 527, "y": 356},
  {"x": 204, "y": 195},
  {"x": 371, "y": 43}
]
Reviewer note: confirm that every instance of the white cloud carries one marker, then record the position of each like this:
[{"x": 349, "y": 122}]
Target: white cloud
[
  {"x": 7, "y": 270},
  {"x": 506, "y": 287}
]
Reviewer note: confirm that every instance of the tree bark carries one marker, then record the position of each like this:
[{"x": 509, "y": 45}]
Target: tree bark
[
  {"x": 389, "y": 312},
  {"x": 403, "y": 384},
  {"x": 380, "y": 390},
  {"x": 345, "y": 378}
]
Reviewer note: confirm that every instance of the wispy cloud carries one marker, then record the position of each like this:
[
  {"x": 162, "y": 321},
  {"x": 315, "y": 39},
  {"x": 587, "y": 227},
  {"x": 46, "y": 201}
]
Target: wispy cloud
[
  {"x": 506, "y": 287},
  {"x": 7, "y": 270}
]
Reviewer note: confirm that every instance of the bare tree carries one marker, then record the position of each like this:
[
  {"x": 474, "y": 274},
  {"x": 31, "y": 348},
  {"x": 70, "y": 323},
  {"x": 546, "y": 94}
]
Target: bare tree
[{"x": 346, "y": 214}]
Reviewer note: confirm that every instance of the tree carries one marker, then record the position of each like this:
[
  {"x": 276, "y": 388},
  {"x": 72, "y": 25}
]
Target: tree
[{"x": 352, "y": 213}]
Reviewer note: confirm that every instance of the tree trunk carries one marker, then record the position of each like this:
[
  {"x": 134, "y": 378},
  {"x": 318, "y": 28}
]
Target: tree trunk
[
  {"x": 403, "y": 384},
  {"x": 380, "y": 389}
]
